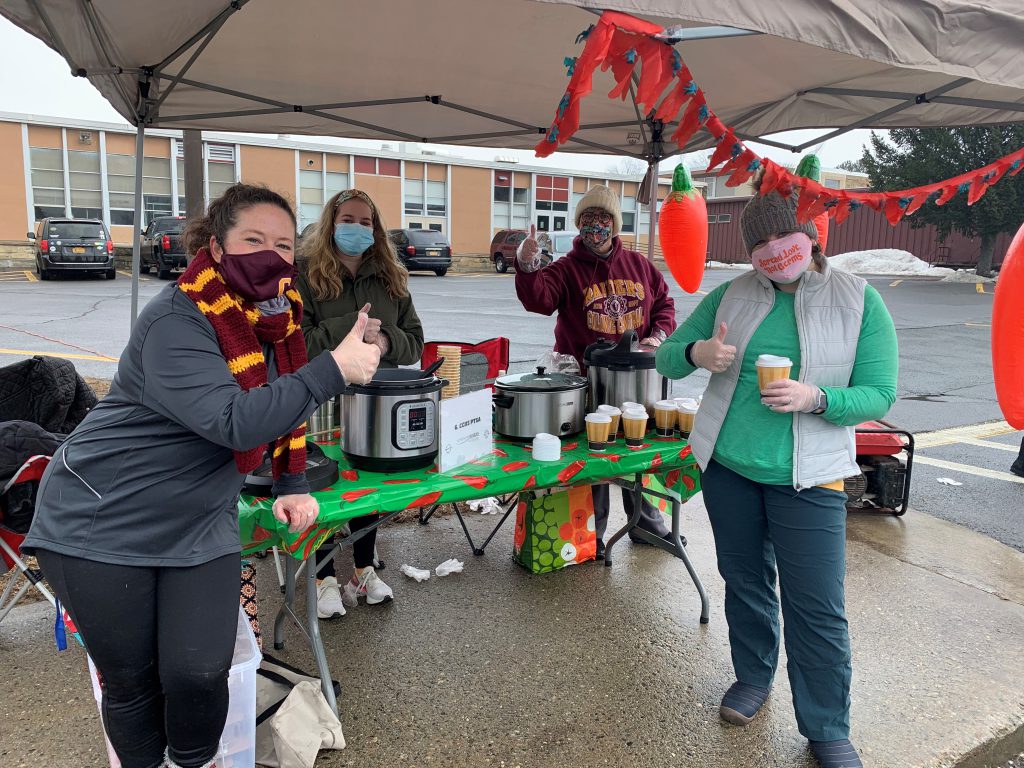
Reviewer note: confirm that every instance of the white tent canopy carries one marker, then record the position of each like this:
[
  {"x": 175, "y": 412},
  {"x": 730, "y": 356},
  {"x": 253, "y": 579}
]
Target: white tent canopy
[{"x": 490, "y": 72}]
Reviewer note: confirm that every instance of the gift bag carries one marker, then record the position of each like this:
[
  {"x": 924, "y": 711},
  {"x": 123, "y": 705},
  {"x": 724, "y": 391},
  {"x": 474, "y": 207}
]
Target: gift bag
[
  {"x": 247, "y": 599},
  {"x": 554, "y": 528}
]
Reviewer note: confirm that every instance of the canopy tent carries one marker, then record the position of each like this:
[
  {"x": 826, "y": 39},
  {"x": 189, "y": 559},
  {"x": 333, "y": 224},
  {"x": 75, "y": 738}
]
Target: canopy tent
[{"x": 490, "y": 72}]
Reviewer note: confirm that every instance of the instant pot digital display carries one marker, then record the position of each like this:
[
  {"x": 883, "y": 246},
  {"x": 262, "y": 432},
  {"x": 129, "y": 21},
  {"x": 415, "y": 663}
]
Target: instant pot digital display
[{"x": 417, "y": 419}]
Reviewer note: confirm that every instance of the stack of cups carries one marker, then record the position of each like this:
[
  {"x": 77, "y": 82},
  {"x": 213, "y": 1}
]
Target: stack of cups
[
  {"x": 546, "y": 447},
  {"x": 451, "y": 370},
  {"x": 616, "y": 414},
  {"x": 772, "y": 368},
  {"x": 634, "y": 425},
  {"x": 687, "y": 407},
  {"x": 599, "y": 426},
  {"x": 665, "y": 417}
]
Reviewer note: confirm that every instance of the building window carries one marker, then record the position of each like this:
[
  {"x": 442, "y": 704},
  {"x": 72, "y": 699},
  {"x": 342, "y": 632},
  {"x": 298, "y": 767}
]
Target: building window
[
  {"x": 86, "y": 190},
  {"x": 311, "y": 197},
  {"x": 724, "y": 218},
  {"x": 336, "y": 182},
  {"x": 502, "y": 194},
  {"x": 389, "y": 167},
  {"x": 414, "y": 202},
  {"x": 520, "y": 208},
  {"x": 415, "y": 225},
  {"x": 712, "y": 218},
  {"x": 552, "y": 193},
  {"x": 156, "y": 188},
  {"x": 121, "y": 188},
  {"x": 629, "y": 214},
  {"x": 47, "y": 182},
  {"x": 437, "y": 199},
  {"x": 220, "y": 168},
  {"x": 832, "y": 183},
  {"x": 712, "y": 186}
]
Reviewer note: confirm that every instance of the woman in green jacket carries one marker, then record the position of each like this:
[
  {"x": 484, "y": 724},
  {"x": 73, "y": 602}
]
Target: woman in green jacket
[
  {"x": 348, "y": 265},
  {"x": 774, "y": 457}
]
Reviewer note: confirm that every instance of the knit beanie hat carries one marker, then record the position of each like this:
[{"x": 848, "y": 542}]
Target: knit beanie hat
[
  {"x": 772, "y": 214},
  {"x": 601, "y": 197}
]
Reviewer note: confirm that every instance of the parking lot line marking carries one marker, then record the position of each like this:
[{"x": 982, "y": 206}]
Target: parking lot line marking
[
  {"x": 979, "y": 287},
  {"x": 31, "y": 278},
  {"x": 31, "y": 353},
  {"x": 967, "y": 469},
  {"x": 894, "y": 283},
  {"x": 701, "y": 293},
  {"x": 978, "y": 325},
  {"x": 990, "y": 444},
  {"x": 957, "y": 434}
]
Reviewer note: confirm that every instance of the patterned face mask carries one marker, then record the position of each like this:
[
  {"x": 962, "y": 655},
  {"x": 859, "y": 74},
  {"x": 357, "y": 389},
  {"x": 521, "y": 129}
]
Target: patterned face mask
[{"x": 596, "y": 226}]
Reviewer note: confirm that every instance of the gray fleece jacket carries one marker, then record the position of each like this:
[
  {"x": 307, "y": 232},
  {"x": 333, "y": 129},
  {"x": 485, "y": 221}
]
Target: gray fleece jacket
[{"x": 149, "y": 477}]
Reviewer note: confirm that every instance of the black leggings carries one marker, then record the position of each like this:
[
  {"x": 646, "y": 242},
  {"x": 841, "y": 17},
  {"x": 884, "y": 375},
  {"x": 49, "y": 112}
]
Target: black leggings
[
  {"x": 362, "y": 548},
  {"x": 162, "y": 640}
]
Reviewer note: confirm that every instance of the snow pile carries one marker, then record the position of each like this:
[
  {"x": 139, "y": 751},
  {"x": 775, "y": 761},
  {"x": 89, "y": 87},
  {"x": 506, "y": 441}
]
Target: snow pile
[
  {"x": 723, "y": 265},
  {"x": 966, "y": 276},
  {"x": 886, "y": 261}
]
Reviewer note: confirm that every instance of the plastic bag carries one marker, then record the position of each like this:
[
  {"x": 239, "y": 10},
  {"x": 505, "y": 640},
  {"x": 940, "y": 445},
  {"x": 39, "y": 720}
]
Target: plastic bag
[{"x": 556, "y": 362}]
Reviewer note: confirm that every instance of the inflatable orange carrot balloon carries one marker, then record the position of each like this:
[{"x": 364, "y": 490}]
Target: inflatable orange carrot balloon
[
  {"x": 683, "y": 231},
  {"x": 1007, "y": 332},
  {"x": 810, "y": 168}
]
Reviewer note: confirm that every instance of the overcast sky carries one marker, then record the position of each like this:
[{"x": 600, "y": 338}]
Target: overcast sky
[{"x": 37, "y": 81}]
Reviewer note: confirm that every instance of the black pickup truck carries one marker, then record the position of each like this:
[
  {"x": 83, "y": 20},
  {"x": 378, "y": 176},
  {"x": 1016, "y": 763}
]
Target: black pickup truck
[{"x": 162, "y": 248}]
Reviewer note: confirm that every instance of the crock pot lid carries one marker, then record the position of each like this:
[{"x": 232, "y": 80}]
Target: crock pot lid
[
  {"x": 541, "y": 381},
  {"x": 625, "y": 353}
]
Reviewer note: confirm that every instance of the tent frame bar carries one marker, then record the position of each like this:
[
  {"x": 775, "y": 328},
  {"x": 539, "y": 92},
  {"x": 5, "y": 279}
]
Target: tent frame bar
[
  {"x": 922, "y": 98},
  {"x": 218, "y": 20}
]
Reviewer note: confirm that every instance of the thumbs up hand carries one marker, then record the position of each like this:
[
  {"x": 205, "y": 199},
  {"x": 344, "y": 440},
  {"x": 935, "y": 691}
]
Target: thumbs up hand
[
  {"x": 528, "y": 253},
  {"x": 356, "y": 359},
  {"x": 714, "y": 354}
]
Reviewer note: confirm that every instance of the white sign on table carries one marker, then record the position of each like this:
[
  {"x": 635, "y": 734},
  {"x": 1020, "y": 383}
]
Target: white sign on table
[{"x": 466, "y": 431}]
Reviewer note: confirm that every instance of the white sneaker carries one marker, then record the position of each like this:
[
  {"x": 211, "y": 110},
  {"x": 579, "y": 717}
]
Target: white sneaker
[
  {"x": 329, "y": 604},
  {"x": 368, "y": 586}
]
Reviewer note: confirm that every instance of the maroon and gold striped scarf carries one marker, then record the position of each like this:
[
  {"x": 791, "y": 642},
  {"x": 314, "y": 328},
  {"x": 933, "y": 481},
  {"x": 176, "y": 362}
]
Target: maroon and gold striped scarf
[{"x": 241, "y": 329}]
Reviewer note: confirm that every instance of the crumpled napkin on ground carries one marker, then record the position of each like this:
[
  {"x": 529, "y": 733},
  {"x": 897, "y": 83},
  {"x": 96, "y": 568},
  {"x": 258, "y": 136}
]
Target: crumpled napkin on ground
[
  {"x": 947, "y": 481},
  {"x": 488, "y": 506},
  {"x": 414, "y": 573},
  {"x": 449, "y": 566}
]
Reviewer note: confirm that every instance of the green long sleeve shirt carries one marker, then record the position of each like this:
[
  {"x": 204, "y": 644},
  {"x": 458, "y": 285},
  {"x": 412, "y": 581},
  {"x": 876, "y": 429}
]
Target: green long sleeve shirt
[{"x": 756, "y": 442}]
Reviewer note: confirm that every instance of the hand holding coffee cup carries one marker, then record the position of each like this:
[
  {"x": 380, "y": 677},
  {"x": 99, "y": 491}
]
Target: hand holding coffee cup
[
  {"x": 634, "y": 426},
  {"x": 665, "y": 417},
  {"x": 788, "y": 396},
  {"x": 772, "y": 368},
  {"x": 598, "y": 427},
  {"x": 714, "y": 354}
]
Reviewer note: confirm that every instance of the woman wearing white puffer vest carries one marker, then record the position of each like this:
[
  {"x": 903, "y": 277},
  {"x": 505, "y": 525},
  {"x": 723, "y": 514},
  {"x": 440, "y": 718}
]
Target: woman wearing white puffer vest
[{"x": 774, "y": 460}]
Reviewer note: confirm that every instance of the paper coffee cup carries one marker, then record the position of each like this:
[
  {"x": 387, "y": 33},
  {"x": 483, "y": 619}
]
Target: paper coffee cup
[
  {"x": 634, "y": 426},
  {"x": 616, "y": 414},
  {"x": 665, "y": 417},
  {"x": 634, "y": 406},
  {"x": 772, "y": 368},
  {"x": 598, "y": 427},
  {"x": 687, "y": 410}
]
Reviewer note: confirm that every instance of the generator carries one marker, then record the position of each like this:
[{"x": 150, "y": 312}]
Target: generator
[{"x": 885, "y": 456}]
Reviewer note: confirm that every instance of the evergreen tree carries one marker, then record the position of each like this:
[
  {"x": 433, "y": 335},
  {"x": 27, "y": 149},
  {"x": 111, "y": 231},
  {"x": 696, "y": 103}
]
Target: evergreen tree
[{"x": 914, "y": 157}]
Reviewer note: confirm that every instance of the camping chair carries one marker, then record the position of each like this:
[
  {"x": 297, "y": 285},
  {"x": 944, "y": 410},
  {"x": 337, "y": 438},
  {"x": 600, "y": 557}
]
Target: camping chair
[
  {"x": 481, "y": 364},
  {"x": 10, "y": 544}
]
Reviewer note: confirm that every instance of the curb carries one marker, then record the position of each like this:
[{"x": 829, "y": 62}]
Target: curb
[{"x": 995, "y": 752}]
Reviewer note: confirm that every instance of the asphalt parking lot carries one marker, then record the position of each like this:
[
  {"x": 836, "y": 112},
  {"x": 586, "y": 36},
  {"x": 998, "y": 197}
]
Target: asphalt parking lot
[{"x": 945, "y": 384}]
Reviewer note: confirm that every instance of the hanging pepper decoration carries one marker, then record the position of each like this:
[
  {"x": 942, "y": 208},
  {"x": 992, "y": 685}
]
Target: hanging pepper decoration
[{"x": 683, "y": 231}]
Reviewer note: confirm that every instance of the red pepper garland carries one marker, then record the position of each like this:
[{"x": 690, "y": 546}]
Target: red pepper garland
[{"x": 619, "y": 42}]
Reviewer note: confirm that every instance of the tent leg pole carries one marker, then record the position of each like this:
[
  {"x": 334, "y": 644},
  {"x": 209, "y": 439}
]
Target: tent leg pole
[
  {"x": 137, "y": 226},
  {"x": 652, "y": 169}
]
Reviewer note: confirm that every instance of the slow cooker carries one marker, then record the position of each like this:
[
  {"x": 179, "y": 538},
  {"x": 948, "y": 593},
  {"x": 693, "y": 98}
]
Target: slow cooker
[
  {"x": 623, "y": 372},
  {"x": 526, "y": 404},
  {"x": 391, "y": 424}
]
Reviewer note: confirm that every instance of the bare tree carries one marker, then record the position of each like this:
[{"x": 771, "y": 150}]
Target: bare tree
[{"x": 629, "y": 166}]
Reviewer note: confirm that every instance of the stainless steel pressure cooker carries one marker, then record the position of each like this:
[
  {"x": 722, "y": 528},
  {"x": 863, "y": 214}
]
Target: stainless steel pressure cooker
[
  {"x": 392, "y": 423},
  {"x": 526, "y": 404},
  {"x": 623, "y": 372}
]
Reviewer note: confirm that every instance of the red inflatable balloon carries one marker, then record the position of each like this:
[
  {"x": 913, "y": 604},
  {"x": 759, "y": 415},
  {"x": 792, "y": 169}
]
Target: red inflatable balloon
[
  {"x": 1008, "y": 334},
  {"x": 683, "y": 231}
]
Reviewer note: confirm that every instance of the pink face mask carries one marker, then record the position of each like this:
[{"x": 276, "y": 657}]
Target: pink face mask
[{"x": 783, "y": 260}]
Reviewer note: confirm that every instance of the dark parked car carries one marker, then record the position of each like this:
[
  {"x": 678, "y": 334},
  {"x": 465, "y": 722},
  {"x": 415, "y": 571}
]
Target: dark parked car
[
  {"x": 503, "y": 248},
  {"x": 162, "y": 248},
  {"x": 424, "y": 249},
  {"x": 73, "y": 245}
]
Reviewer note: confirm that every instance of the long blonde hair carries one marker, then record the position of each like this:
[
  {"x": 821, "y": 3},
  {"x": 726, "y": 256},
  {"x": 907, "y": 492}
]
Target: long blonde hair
[{"x": 323, "y": 267}]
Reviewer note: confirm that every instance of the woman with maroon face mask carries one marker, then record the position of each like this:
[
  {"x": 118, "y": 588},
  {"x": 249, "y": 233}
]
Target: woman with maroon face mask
[
  {"x": 799, "y": 353},
  {"x": 136, "y": 524}
]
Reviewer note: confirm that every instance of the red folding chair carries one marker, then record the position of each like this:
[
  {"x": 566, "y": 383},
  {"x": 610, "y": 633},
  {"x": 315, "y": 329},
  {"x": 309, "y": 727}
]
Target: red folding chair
[
  {"x": 481, "y": 362},
  {"x": 10, "y": 544}
]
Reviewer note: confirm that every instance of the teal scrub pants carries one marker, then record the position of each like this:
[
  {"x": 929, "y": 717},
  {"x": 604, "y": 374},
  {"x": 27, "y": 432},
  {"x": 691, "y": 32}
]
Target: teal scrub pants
[{"x": 768, "y": 533}]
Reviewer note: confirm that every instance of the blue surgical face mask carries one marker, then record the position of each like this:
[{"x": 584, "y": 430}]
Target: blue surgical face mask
[{"x": 353, "y": 239}]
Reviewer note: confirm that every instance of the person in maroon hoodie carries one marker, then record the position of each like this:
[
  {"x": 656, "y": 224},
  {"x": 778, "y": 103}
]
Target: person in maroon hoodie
[{"x": 600, "y": 290}]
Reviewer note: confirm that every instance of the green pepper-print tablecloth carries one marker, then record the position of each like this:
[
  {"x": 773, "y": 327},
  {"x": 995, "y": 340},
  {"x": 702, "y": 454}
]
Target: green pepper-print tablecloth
[{"x": 509, "y": 469}]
